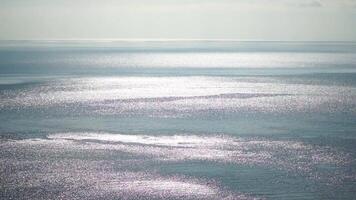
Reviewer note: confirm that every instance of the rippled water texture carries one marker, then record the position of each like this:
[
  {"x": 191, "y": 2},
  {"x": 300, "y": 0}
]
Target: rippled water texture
[{"x": 177, "y": 120}]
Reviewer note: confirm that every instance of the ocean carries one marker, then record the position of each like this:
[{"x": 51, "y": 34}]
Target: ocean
[{"x": 177, "y": 120}]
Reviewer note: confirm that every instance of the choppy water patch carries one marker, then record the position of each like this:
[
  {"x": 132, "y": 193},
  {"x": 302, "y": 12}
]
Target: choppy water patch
[
  {"x": 177, "y": 95},
  {"x": 48, "y": 169},
  {"x": 294, "y": 156}
]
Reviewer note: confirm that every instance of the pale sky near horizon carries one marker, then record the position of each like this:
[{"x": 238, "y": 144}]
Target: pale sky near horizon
[{"x": 289, "y": 20}]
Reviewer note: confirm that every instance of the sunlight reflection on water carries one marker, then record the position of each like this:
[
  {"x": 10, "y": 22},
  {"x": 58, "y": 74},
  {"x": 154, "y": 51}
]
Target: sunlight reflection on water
[{"x": 163, "y": 95}]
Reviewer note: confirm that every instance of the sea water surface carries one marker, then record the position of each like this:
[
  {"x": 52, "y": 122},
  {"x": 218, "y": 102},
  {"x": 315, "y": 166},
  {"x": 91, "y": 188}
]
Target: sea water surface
[{"x": 177, "y": 120}]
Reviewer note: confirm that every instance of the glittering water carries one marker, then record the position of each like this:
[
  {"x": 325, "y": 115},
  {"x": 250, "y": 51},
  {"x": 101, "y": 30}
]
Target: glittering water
[{"x": 177, "y": 120}]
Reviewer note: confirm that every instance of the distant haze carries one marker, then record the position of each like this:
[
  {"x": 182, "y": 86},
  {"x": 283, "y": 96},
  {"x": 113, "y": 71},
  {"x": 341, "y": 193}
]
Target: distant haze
[{"x": 282, "y": 20}]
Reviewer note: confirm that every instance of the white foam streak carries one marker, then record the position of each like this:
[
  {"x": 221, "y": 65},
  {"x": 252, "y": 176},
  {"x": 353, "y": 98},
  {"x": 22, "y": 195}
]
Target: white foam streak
[
  {"x": 173, "y": 141},
  {"x": 287, "y": 155}
]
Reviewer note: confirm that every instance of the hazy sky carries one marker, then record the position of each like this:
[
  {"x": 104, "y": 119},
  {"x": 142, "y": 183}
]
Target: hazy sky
[{"x": 185, "y": 19}]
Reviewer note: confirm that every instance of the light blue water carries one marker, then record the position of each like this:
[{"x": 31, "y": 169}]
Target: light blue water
[{"x": 177, "y": 120}]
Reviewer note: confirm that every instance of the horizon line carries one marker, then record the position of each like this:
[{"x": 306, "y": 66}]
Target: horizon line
[{"x": 165, "y": 40}]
